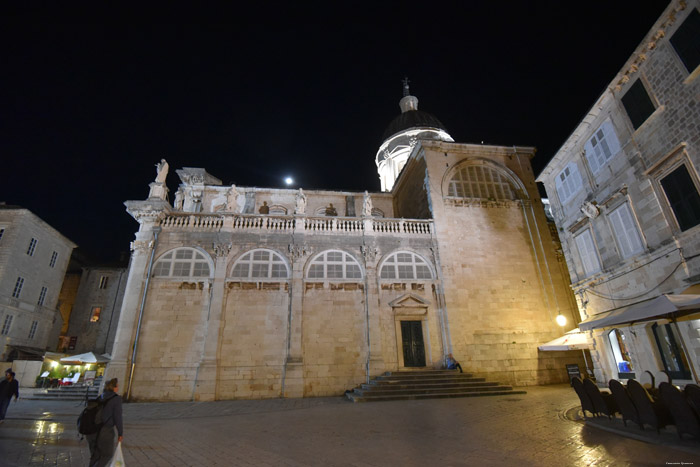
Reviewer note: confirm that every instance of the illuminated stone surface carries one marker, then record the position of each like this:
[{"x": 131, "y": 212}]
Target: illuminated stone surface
[{"x": 519, "y": 430}]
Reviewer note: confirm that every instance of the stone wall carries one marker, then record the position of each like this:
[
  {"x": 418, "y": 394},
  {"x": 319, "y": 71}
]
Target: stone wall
[{"x": 502, "y": 282}]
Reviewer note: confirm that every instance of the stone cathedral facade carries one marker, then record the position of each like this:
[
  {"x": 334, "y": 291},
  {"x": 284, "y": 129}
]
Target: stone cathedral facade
[{"x": 242, "y": 292}]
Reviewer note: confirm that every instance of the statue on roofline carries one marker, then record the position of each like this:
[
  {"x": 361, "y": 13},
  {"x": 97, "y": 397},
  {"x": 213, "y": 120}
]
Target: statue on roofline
[
  {"x": 367, "y": 205},
  {"x": 300, "y": 202},
  {"x": 161, "y": 171}
]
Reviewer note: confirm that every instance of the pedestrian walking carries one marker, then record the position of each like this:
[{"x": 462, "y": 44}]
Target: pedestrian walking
[
  {"x": 8, "y": 387},
  {"x": 103, "y": 443}
]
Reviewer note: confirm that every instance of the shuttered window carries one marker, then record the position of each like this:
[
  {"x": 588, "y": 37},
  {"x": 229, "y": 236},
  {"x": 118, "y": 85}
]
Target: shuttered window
[
  {"x": 602, "y": 146},
  {"x": 628, "y": 240},
  {"x": 587, "y": 252},
  {"x": 638, "y": 104},
  {"x": 568, "y": 182}
]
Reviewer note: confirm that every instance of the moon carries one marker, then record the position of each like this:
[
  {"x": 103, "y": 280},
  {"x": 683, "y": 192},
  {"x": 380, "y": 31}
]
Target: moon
[{"x": 288, "y": 180}]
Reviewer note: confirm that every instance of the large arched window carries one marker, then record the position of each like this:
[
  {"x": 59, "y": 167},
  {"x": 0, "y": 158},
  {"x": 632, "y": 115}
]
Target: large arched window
[
  {"x": 481, "y": 181},
  {"x": 405, "y": 265},
  {"x": 182, "y": 262},
  {"x": 334, "y": 264},
  {"x": 260, "y": 264}
]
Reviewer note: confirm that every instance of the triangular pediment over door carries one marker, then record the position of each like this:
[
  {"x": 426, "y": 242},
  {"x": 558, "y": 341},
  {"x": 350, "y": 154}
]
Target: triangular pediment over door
[{"x": 410, "y": 305}]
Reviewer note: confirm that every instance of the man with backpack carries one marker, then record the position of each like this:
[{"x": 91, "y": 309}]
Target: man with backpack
[{"x": 103, "y": 443}]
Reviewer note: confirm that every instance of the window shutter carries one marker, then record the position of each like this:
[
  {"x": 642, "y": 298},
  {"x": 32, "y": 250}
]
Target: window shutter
[
  {"x": 568, "y": 182},
  {"x": 611, "y": 138},
  {"x": 625, "y": 231},
  {"x": 591, "y": 156},
  {"x": 587, "y": 251}
]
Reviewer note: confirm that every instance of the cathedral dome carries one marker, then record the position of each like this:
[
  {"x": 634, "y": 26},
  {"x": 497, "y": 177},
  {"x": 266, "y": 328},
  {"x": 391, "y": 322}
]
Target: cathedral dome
[
  {"x": 412, "y": 119},
  {"x": 404, "y": 131}
]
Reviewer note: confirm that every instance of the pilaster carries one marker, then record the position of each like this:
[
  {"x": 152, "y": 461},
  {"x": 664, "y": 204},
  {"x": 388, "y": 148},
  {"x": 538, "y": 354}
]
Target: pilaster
[
  {"x": 148, "y": 214},
  {"x": 206, "y": 384},
  {"x": 294, "y": 364}
]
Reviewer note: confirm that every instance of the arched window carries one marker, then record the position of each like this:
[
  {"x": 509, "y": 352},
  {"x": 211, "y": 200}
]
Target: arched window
[
  {"x": 620, "y": 353},
  {"x": 481, "y": 181},
  {"x": 277, "y": 210},
  {"x": 334, "y": 264},
  {"x": 405, "y": 265},
  {"x": 260, "y": 264},
  {"x": 182, "y": 262}
]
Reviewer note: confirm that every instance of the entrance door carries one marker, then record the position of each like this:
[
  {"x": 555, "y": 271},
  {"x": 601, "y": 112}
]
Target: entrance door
[{"x": 413, "y": 347}]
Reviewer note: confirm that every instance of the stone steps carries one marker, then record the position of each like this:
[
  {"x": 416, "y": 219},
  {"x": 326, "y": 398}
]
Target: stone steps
[
  {"x": 68, "y": 393},
  {"x": 427, "y": 384}
]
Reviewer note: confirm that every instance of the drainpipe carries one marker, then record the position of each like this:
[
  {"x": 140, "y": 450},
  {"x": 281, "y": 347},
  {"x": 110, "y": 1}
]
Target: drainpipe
[
  {"x": 544, "y": 258},
  {"x": 156, "y": 230},
  {"x": 366, "y": 294},
  {"x": 289, "y": 322},
  {"x": 537, "y": 260}
]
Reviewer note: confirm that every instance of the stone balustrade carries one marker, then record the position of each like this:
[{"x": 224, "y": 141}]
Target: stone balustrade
[{"x": 288, "y": 224}]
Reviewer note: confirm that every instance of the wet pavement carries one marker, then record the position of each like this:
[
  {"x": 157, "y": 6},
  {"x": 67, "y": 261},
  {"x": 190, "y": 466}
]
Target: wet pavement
[{"x": 538, "y": 428}]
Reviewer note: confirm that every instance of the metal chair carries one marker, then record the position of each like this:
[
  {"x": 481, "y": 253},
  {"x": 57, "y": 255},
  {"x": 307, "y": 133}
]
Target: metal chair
[
  {"x": 586, "y": 403},
  {"x": 603, "y": 403},
  {"x": 624, "y": 402},
  {"x": 692, "y": 395},
  {"x": 683, "y": 415},
  {"x": 651, "y": 412}
]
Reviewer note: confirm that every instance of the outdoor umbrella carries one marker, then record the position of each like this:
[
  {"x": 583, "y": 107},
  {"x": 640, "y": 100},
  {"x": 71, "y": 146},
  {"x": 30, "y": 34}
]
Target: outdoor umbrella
[{"x": 79, "y": 359}]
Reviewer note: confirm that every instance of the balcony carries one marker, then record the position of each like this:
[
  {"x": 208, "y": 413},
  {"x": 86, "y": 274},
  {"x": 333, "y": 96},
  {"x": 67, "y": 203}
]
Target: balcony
[{"x": 251, "y": 223}]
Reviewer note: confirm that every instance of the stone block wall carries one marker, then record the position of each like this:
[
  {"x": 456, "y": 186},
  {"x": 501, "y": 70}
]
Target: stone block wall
[
  {"x": 171, "y": 340},
  {"x": 334, "y": 339},
  {"x": 253, "y": 340}
]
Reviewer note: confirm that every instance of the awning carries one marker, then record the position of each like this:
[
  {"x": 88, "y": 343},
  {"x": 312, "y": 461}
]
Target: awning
[
  {"x": 572, "y": 340},
  {"x": 27, "y": 353},
  {"x": 663, "y": 306},
  {"x": 79, "y": 359}
]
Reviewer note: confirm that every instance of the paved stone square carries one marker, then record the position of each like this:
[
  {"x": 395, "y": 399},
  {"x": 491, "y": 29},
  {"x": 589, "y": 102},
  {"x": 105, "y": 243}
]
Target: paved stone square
[{"x": 518, "y": 430}]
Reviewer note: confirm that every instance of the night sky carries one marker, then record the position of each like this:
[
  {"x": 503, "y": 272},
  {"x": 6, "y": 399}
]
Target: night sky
[{"x": 89, "y": 106}]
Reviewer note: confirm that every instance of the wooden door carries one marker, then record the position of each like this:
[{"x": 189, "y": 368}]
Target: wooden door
[{"x": 413, "y": 347}]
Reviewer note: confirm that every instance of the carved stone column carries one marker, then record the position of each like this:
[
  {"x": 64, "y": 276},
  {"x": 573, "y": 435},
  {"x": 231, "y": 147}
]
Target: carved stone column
[
  {"x": 148, "y": 214},
  {"x": 206, "y": 384},
  {"x": 294, "y": 365},
  {"x": 376, "y": 360}
]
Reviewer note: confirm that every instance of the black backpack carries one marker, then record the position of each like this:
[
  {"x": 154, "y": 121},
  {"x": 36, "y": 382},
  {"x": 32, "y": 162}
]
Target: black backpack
[{"x": 90, "y": 419}]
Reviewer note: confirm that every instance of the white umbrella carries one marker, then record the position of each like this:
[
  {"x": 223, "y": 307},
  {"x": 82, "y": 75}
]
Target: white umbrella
[
  {"x": 572, "y": 340},
  {"x": 88, "y": 357}
]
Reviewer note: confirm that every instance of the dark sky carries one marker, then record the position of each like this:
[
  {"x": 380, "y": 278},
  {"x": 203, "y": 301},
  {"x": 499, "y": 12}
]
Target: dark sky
[{"x": 90, "y": 105}]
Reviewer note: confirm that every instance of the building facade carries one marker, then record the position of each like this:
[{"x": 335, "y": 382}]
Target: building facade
[
  {"x": 244, "y": 292},
  {"x": 624, "y": 194},
  {"x": 33, "y": 261},
  {"x": 95, "y": 313}
]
